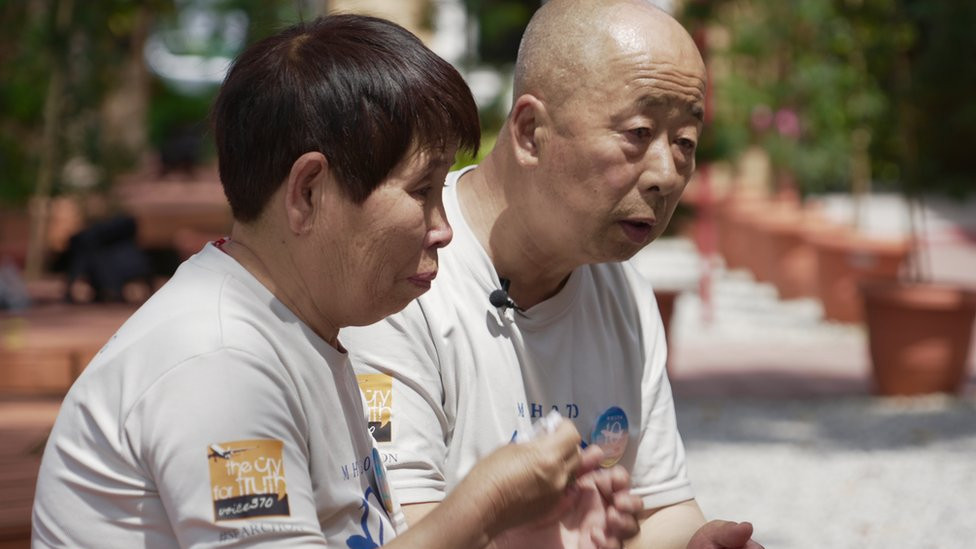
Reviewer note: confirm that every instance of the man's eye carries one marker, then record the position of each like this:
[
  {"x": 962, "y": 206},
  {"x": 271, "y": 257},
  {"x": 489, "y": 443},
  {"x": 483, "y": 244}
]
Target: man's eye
[
  {"x": 641, "y": 133},
  {"x": 687, "y": 145},
  {"x": 422, "y": 191}
]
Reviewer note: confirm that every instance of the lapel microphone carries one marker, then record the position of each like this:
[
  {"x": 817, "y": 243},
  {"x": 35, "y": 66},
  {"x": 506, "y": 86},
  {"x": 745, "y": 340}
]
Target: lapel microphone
[{"x": 500, "y": 299}]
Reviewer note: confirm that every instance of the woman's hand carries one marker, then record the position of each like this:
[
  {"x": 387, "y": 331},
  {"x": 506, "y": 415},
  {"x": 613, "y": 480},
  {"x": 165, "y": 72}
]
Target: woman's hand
[
  {"x": 542, "y": 493},
  {"x": 519, "y": 483},
  {"x": 549, "y": 491}
]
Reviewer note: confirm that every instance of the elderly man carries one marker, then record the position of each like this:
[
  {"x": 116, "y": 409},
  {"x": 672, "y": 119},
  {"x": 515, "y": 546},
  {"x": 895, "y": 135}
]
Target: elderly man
[{"x": 532, "y": 310}]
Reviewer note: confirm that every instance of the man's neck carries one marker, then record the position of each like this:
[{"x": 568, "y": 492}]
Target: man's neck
[{"x": 505, "y": 232}]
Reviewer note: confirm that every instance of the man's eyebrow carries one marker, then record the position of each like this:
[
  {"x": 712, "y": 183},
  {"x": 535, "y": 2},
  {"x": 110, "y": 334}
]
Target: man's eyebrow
[{"x": 695, "y": 109}]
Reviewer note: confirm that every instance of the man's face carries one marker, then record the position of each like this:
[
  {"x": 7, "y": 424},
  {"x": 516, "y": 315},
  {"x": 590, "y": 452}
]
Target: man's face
[{"x": 621, "y": 150}]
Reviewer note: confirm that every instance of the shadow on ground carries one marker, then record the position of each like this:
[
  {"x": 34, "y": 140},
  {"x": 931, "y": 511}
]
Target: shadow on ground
[{"x": 855, "y": 422}]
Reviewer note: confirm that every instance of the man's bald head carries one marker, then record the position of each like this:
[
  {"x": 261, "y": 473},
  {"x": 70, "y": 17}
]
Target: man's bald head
[{"x": 568, "y": 40}]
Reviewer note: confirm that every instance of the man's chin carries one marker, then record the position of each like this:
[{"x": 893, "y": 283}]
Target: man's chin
[{"x": 627, "y": 250}]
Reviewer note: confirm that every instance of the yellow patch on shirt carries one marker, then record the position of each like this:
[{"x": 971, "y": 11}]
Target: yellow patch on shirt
[
  {"x": 378, "y": 391},
  {"x": 247, "y": 479}
]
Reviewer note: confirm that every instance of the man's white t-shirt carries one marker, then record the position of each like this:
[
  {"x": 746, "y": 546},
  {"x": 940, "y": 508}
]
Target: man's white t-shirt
[
  {"x": 213, "y": 417},
  {"x": 451, "y": 378}
]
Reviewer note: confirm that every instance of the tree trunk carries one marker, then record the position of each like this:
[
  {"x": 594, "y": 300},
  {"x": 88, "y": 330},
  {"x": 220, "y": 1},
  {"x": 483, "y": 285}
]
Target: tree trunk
[
  {"x": 53, "y": 106},
  {"x": 123, "y": 112}
]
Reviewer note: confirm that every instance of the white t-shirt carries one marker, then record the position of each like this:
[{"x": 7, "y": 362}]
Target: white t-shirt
[
  {"x": 213, "y": 417},
  {"x": 450, "y": 378}
]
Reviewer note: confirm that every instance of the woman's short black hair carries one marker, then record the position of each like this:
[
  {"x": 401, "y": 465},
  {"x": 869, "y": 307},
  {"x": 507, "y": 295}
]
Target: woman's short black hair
[{"x": 358, "y": 89}]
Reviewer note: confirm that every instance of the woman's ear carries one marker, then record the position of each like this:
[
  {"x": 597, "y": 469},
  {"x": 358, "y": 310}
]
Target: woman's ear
[
  {"x": 304, "y": 186},
  {"x": 525, "y": 126}
]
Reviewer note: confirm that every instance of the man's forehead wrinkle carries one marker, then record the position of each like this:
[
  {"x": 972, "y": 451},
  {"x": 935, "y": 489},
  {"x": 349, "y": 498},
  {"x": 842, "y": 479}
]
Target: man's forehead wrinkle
[
  {"x": 656, "y": 91},
  {"x": 655, "y": 61},
  {"x": 671, "y": 75},
  {"x": 664, "y": 82}
]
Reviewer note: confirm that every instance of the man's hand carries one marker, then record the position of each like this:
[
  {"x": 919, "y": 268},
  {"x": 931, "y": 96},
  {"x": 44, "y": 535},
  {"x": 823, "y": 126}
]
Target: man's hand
[
  {"x": 606, "y": 512},
  {"x": 599, "y": 512},
  {"x": 722, "y": 534}
]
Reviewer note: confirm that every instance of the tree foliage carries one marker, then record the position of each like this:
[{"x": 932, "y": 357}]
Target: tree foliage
[{"x": 814, "y": 81}]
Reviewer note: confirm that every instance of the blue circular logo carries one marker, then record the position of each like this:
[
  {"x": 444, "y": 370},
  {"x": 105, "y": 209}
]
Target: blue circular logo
[{"x": 611, "y": 434}]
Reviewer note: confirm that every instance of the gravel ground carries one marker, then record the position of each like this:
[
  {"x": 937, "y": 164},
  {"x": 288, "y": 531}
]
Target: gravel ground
[
  {"x": 846, "y": 472},
  {"x": 780, "y": 427}
]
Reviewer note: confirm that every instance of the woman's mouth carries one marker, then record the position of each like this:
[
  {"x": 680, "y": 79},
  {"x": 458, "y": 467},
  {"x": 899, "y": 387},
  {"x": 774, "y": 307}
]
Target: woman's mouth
[{"x": 423, "y": 280}]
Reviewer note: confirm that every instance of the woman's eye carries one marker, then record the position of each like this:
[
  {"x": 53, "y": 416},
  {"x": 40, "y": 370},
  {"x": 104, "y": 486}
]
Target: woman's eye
[{"x": 422, "y": 192}]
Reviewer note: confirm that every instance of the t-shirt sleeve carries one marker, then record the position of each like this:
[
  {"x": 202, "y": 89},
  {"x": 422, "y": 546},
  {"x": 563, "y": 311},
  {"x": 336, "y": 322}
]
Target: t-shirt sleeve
[
  {"x": 659, "y": 475},
  {"x": 398, "y": 370},
  {"x": 222, "y": 439}
]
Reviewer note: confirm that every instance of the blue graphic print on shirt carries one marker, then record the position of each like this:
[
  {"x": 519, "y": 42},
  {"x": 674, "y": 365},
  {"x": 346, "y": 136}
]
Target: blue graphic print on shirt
[{"x": 366, "y": 541}]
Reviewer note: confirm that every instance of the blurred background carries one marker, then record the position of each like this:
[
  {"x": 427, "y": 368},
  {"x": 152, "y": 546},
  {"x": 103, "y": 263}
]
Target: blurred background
[{"x": 816, "y": 284}]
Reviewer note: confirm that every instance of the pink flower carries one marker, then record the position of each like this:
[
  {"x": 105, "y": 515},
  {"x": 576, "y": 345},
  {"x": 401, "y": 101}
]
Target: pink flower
[{"x": 787, "y": 122}]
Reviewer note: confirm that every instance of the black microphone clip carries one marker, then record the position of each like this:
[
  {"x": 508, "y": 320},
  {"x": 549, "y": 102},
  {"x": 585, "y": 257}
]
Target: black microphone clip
[{"x": 500, "y": 298}]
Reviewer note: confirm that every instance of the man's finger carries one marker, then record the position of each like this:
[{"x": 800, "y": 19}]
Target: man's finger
[
  {"x": 611, "y": 481},
  {"x": 626, "y": 502},
  {"x": 620, "y": 478},
  {"x": 726, "y": 534},
  {"x": 621, "y": 525},
  {"x": 590, "y": 458}
]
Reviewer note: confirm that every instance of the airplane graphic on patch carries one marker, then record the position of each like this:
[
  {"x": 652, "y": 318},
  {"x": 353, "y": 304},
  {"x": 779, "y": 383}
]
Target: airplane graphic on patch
[{"x": 218, "y": 451}]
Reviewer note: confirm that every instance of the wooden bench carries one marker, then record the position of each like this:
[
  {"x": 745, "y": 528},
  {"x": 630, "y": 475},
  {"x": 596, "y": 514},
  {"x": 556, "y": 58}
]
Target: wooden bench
[{"x": 24, "y": 426}]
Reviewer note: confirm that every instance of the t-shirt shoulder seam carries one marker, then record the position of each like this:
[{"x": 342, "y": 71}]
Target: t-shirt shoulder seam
[{"x": 176, "y": 366}]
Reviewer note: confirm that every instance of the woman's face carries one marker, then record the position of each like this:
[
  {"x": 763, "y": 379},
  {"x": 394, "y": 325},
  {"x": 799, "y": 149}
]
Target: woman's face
[{"x": 386, "y": 247}]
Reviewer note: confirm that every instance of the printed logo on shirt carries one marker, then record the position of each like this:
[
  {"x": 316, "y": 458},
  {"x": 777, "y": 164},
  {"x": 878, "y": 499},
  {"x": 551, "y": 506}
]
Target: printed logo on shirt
[
  {"x": 378, "y": 391},
  {"x": 611, "y": 434},
  {"x": 247, "y": 479},
  {"x": 536, "y": 410},
  {"x": 366, "y": 540}
]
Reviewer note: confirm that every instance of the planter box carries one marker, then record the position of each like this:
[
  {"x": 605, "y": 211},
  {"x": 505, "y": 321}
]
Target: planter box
[{"x": 665, "y": 304}]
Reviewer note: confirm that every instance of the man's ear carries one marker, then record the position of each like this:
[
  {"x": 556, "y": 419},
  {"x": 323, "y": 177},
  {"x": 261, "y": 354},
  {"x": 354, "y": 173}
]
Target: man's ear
[
  {"x": 525, "y": 127},
  {"x": 303, "y": 189}
]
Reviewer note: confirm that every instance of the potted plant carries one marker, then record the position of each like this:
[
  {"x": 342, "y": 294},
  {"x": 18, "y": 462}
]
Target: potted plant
[
  {"x": 808, "y": 104},
  {"x": 920, "y": 328},
  {"x": 919, "y": 335},
  {"x": 854, "y": 97}
]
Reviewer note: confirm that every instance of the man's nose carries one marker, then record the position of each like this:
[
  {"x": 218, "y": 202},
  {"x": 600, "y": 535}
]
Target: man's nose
[{"x": 661, "y": 173}]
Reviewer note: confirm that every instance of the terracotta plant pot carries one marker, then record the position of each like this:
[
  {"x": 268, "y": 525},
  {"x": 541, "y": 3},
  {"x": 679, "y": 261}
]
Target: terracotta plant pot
[
  {"x": 844, "y": 260},
  {"x": 919, "y": 336},
  {"x": 665, "y": 304},
  {"x": 755, "y": 242},
  {"x": 791, "y": 258},
  {"x": 775, "y": 234},
  {"x": 732, "y": 219}
]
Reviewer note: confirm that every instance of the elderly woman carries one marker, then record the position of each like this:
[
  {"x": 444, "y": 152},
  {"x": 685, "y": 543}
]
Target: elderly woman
[{"x": 225, "y": 411}]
